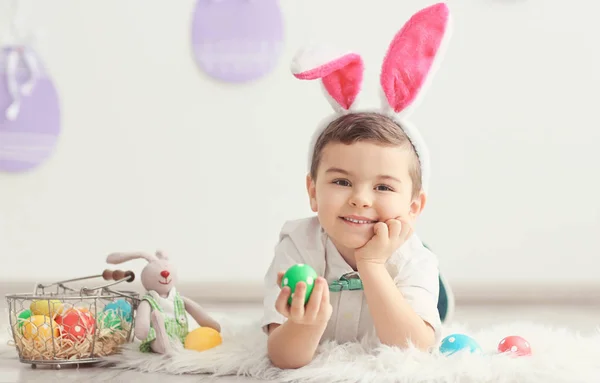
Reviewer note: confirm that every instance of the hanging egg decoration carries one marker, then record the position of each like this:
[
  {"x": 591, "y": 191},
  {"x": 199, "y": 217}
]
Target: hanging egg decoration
[
  {"x": 29, "y": 110},
  {"x": 237, "y": 40}
]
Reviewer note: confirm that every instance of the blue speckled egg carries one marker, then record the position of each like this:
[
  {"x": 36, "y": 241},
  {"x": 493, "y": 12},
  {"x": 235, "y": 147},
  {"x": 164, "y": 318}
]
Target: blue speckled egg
[
  {"x": 457, "y": 342},
  {"x": 120, "y": 307}
]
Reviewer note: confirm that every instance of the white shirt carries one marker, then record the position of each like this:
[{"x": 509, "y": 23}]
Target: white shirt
[{"x": 413, "y": 268}]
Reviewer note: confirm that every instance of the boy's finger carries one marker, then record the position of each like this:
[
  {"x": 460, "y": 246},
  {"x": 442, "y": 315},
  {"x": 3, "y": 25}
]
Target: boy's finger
[
  {"x": 325, "y": 304},
  {"x": 279, "y": 277},
  {"x": 297, "y": 309},
  {"x": 281, "y": 304},
  {"x": 314, "y": 302},
  {"x": 395, "y": 228},
  {"x": 381, "y": 230}
]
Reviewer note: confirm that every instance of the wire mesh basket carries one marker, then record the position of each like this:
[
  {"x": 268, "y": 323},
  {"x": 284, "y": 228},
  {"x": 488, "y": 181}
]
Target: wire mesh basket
[{"x": 59, "y": 325}]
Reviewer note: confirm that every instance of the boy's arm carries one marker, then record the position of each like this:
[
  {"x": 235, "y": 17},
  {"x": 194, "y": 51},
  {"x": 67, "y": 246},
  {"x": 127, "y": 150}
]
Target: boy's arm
[
  {"x": 395, "y": 320},
  {"x": 294, "y": 331},
  {"x": 292, "y": 345}
]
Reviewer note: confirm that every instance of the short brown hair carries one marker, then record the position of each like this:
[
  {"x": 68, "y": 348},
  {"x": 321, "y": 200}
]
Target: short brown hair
[{"x": 370, "y": 127}]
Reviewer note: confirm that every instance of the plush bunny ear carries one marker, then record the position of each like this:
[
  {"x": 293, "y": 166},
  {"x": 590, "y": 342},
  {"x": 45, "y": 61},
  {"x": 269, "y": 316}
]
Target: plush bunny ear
[
  {"x": 116, "y": 258},
  {"x": 411, "y": 55},
  {"x": 162, "y": 255},
  {"x": 340, "y": 74}
]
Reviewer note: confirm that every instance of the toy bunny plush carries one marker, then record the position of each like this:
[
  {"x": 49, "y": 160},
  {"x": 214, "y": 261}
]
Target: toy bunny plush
[{"x": 162, "y": 314}]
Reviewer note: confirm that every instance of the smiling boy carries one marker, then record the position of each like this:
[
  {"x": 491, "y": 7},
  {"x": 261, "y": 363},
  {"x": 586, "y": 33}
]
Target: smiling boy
[
  {"x": 364, "y": 185},
  {"x": 367, "y": 184}
]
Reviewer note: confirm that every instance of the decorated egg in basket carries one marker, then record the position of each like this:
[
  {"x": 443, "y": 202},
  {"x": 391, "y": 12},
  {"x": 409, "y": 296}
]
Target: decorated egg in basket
[
  {"x": 40, "y": 329},
  {"x": 122, "y": 308},
  {"x": 109, "y": 319},
  {"x": 22, "y": 318},
  {"x": 48, "y": 307},
  {"x": 76, "y": 324}
]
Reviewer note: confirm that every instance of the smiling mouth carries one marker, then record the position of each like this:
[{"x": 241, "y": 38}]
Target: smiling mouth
[
  {"x": 164, "y": 283},
  {"x": 358, "y": 221}
]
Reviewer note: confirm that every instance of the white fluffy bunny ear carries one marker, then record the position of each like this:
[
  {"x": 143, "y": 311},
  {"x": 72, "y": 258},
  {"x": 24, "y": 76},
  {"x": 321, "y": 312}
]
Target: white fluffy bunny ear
[
  {"x": 162, "y": 255},
  {"x": 340, "y": 74},
  {"x": 116, "y": 258},
  {"x": 409, "y": 62}
]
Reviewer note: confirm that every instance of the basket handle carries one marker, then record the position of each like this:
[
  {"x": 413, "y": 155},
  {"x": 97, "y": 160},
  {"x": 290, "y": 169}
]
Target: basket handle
[{"x": 117, "y": 275}]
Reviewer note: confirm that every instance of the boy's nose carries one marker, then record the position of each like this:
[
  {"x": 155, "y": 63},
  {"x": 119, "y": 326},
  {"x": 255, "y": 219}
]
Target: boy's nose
[
  {"x": 359, "y": 204},
  {"x": 360, "y": 200}
]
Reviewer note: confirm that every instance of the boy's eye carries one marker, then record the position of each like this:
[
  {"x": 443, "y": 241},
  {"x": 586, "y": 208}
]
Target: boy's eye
[
  {"x": 384, "y": 188},
  {"x": 342, "y": 182}
]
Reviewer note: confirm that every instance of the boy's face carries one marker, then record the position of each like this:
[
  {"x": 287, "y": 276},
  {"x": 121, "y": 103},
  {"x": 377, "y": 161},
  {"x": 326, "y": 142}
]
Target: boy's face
[{"x": 362, "y": 181}]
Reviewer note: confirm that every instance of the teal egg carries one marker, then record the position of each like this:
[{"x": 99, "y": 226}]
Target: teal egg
[
  {"x": 122, "y": 308},
  {"x": 457, "y": 342}
]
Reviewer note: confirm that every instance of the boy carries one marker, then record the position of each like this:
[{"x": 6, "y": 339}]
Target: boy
[
  {"x": 364, "y": 183},
  {"x": 367, "y": 184}
]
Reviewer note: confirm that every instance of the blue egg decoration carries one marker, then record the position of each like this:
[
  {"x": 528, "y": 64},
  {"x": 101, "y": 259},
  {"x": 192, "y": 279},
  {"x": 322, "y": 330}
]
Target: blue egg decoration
[
  {"x": 457, "y": 342},
  {"x": 121, "y": 307}
]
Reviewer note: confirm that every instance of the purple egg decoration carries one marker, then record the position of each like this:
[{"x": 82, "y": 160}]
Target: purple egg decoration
[
  {"x": 29, "y": 111},
  {"x": 237, "y": 40}
]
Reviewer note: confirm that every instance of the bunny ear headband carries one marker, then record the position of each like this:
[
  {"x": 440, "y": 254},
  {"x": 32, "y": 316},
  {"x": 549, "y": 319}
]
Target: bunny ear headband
[{"x": 411, "y": 59}]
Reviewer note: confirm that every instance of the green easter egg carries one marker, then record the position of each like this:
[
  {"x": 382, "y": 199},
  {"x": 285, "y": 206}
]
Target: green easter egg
[
  {"x": 111, "y": 320},
  {"x": 23, "y": 317},
  {"x": 300, "y": 273}
]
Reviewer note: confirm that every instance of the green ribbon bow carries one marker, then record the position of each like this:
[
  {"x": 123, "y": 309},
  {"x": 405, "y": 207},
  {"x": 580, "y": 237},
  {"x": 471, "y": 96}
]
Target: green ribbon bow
[{"x": 350, "y": 281}]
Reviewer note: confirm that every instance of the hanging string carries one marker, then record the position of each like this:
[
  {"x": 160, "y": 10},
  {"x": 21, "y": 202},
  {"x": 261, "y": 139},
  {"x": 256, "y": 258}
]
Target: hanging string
[
  {"x": 13, "y": 35},
  {"x": 18, "y": 52}
]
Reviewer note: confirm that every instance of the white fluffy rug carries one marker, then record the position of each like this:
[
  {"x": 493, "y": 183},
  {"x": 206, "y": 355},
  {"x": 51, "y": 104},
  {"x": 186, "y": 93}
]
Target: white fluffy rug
[{"x": 559, "y": 355}]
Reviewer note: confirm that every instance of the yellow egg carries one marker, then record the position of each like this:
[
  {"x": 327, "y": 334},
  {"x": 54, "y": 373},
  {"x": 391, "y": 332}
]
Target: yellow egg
[
  {"x": 37, "y": 328},
  {"x": 48, "y": 307},
  {"x": 202, "y": 338}
]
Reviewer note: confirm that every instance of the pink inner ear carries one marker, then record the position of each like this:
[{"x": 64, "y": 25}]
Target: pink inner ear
[
  {"x": 411, "y": 55},
  {"x": 342, "y": 78},
  {"x": 343, "y": 85}
]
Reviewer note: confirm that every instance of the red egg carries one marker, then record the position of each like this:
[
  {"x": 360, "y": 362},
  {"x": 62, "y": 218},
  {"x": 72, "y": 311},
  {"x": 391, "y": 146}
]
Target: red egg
[
  {"x": 76, "y": 324},
  {"x": 515, "y": 345}
]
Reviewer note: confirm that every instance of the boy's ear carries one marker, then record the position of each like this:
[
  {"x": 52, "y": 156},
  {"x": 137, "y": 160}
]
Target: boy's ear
[
  {"x": 312, "y": 193},
  {"x": 418, "y": 204}
]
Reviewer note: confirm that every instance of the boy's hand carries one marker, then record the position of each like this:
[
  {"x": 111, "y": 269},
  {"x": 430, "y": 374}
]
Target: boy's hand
[
  {"x": 388, "y": 237},
  {"x": 318, "y": 310}
]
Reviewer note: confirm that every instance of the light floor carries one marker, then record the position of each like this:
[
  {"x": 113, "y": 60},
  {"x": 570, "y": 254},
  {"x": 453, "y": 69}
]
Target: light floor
[{"x": 574, "y": 317}]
